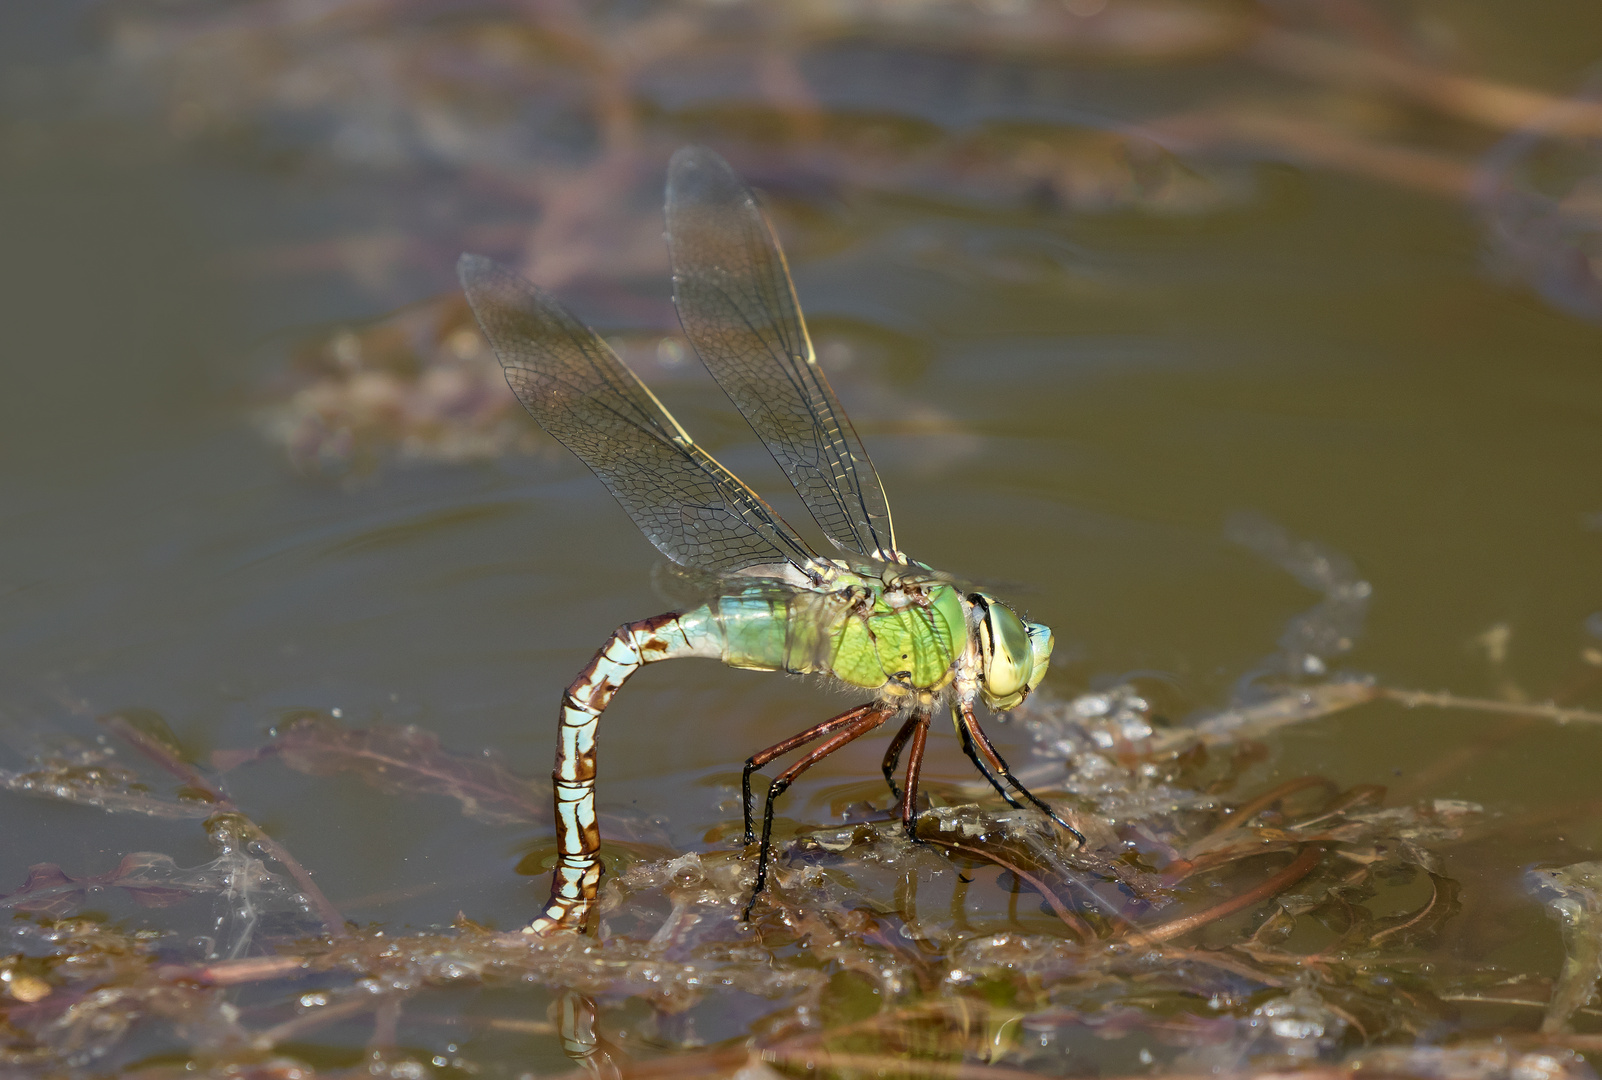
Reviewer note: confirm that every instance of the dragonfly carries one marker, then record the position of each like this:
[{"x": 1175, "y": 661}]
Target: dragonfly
[{"x": 867, "y": 615}]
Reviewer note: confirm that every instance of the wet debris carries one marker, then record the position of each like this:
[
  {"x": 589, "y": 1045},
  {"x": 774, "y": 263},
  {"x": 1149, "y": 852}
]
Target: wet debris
[
  {"x": 95, "y": 773},
  {"x": 1221, "y": 928},
  {"x": 1473, "y": 1061},
  {"x": 1217, "y": 922},
  {"x": 399, "y": 761},
  {"x": 1573, "y": 896}
]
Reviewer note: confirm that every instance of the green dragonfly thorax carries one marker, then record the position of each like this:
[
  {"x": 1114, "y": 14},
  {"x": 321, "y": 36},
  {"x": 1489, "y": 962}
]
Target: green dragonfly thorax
[
  {"x": 901, "y": 640},
  {"x": 904, "y": 631}
]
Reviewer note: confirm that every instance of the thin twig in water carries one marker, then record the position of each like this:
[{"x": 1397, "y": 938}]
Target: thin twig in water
[
  {"x": 891, "y": 1065},
  {"x": 1313, "y": 143},
  {"x": 1299, "y": 868},
  {"x": 1251, "y": 809},
  {"x": 1556, "y": 713},
  {"x": 1495, "y": 105},
  {"x": 320, "y": 1016},
  {"x": 1417, "y": 918},
  {"x": 1456, "y": 761},
  {"x": 1074, "y": 923},
  {"x": 235, "y": 972},
  {"x": 1360, "y": 795},
  {"x": 1221, "y": 961}
]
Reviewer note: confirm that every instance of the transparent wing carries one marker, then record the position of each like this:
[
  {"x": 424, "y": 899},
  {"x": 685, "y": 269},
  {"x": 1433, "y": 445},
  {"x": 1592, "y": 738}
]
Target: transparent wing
[
  {"x": 732, "y": 288},
  {"x": 694, "y": 510}
]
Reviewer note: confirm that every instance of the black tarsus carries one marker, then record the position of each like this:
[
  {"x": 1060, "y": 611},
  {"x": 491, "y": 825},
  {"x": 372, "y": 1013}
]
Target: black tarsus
[
  {"x": 856, "y": 723},
  {"x": 974, "y": 739}
]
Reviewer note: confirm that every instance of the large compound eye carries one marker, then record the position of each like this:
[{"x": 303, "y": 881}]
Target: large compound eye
[{"x": 1005, "y": 655}]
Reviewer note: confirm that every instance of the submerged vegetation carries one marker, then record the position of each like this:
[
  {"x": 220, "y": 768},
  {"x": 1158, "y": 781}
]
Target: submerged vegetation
[{"x": 1213, "y": 925}]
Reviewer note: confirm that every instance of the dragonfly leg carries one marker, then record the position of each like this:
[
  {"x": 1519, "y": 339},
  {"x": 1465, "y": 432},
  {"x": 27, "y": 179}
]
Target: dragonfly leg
[
  {"x": 969, "y": 725},
  {"x": 919, "y": 722},
  {"x": 577, "y": 878},
  {"x": 761, "y": 758},
  {"x": 865, "y": 720},
  {"x": 984, "y": 770},
  {"x": 892, "y": 755}
]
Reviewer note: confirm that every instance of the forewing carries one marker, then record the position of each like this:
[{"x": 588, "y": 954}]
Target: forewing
[
  {"x": 738, "y": 307},
  {"x": 694, "y": 510}
]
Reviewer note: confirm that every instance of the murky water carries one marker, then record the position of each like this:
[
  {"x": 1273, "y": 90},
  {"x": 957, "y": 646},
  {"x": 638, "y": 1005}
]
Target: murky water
[{"x": 1073, "y": 362}]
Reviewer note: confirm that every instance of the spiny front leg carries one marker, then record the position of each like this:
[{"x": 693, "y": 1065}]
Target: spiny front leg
[
  {"x": 984, "y": 770},
  {"x": 577, "y": 878},
  {"x": 854, "y": 724},
  {"x": 992, "y": 765}
]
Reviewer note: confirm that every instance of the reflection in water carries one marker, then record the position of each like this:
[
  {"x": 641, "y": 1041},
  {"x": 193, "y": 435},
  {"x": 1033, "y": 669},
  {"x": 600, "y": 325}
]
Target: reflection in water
[
  {"x": 1573, "y": 896},
  {"x": 1540, "y": 191},
  {"x": 574, "y": 1014},
  {"x": 1329, "y": 630}
]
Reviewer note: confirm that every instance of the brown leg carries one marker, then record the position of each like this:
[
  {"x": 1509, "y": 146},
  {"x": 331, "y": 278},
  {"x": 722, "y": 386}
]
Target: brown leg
[
  {"x": 761, "y": 758},
  {"x": 868, "y": 717},
  {"x": 909, "y": 795},
  {"x": 892, "y": 755},
  {"x": 996, "y": 766}
]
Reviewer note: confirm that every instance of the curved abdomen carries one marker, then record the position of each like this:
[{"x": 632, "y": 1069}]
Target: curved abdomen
[{"x": 906, "y": 647}]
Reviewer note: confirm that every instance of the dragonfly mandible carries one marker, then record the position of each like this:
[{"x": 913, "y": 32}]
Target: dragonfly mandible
[{"x": 868, "y": 616}]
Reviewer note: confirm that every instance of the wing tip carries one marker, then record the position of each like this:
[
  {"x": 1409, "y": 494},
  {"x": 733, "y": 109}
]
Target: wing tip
[
  {"x": 693, "y": 154},
  {"x": 472, "y": 268},
  {"x": 700, "y": 174}
]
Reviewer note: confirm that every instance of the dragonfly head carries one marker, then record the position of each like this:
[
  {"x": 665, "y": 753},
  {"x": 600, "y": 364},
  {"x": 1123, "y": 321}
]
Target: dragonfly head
[{"x": 1013, "y": 654}]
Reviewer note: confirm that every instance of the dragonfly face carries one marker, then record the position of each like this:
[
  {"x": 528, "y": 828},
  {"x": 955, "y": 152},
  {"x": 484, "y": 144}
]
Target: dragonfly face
[{"x": 1013, "y": 654}]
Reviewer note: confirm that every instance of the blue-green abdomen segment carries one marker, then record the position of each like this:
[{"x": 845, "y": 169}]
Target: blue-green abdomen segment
[{"x": 852, "y": 634}]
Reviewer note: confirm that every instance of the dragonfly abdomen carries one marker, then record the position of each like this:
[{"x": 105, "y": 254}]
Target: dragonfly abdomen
[
  {"x": 578, "y": 837},
  {"x": 767, "y": 629}
]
